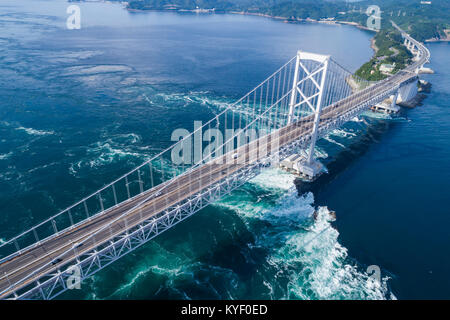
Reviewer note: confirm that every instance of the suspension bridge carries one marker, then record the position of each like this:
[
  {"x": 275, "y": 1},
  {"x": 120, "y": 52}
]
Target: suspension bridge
[{"x": 297, "y": 105}]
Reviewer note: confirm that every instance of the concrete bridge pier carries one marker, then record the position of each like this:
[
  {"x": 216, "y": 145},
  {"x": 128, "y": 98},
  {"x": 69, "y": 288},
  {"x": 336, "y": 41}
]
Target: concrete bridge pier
[
  {"x": 411, "y": 46},
  {"x": 407, "y": 92},
  {"x": 394, "y": 100}
]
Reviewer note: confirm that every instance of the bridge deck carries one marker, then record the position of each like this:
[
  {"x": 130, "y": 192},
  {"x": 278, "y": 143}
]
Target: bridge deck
[{"x": 31, "y": 260}]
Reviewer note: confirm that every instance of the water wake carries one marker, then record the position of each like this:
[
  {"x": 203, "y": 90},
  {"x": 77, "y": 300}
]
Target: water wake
[
  {"x": 34, "y": 132},
  {"x": 5, "y": 155},
  {"x": 304, "y": 252},
  {"x": 114, "y": 149}
]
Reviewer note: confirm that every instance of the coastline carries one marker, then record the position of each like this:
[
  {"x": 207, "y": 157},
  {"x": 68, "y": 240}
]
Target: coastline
[
  {"x": 257, "y": 14},
  {"x": 350, "y": 82},
  {"x": 279, "y": 18},
  {"x": 446, "y": 39},
  {"x": 330, "y": 21},
  {"x": 438, "y": 40},
  {"x": 373, "y": 45}
]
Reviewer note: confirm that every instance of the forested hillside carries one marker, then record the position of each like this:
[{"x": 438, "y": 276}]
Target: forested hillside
[{"x": 424, "y": 21}]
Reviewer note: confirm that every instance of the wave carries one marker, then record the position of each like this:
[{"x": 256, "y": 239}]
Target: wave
[
  {"x": 5, "y": 155},
  {"x": 42, "y": 167},
  {"x": 13, "y": 174},
  {"x": 104, "y": 154},
  {"x": 304, "y": 257},
  {"x": 171, "y": 273},
  {"x": 304, "y": 252},
  {"x": 35, "y": 132},
  {"x": 342, "y": 133},
  {"x": 193, "y": 97},
  {"x": 356, "y": 119},
  {"x": 303, "y": 260},
  {"x": 316, "y": 263},
  {"x": 377, "y": 115},
  {"x": 274, "y": 178},
  {"x": 320, "y": 153},
  {"x": 126, "y": 138},
  {"x": 114, "y": 149},
  {"x": 327, "y": 138},
  {"x": 203, "y": 98}
]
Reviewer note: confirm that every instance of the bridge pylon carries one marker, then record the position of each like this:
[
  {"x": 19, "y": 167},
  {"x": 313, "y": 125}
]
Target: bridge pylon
[{"x": 309, "y": 91}]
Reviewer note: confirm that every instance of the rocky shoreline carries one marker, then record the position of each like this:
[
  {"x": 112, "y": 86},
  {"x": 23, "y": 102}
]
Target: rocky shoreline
[
  {"x": 446, "y": 39},
  {"x": 258, "y": 14}
]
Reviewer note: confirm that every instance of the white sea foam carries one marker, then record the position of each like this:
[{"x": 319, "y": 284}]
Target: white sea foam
[
  {"x": 304, "y": 253},
  {"x": 274, "y": 178},
  {"x": 125, "y": 138},
  {"x": 128, "y": 81},
  {"x": 147, "y": 99},
  {"x": 356, "y": 119},
  {"x": 35, "y": 132},
  {"x": 142, "y": 273},
  {"x": 42, "y": 167},
  {"x": 304, "y": 250},
  {"x": 114, "y": 149},
  {"x": 327, "y": 138},
  {"x": 247, "y": 203},
  {"x": 11, "y": 174},
  {"x": 320, "y": 153},
  {"x": 342, "y": 133},
  {"x": 304, "y": 261},
  {"x": 377, "y": 115},
  {"x": 199, "y": 97},
  {"x": 173, "y": 267},
  {"x": 182, "y": 271},
  {"x": 103, "y": 154},
  {"x": 5, "y": 155},
  {"x": 316, "y": 262}
]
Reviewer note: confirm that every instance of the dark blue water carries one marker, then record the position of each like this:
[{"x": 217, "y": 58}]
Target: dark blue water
[
  {"x": 78, "y": 108},
  {"x": 392, "y": 198}
]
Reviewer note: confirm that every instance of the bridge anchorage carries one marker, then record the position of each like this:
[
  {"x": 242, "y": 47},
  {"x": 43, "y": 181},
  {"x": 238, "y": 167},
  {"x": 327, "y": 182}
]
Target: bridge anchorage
[{"x": 301, "y": 102}]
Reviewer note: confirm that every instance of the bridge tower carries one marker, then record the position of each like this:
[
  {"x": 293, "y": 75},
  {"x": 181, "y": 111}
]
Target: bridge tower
[{"x": 308, "y": 167}]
